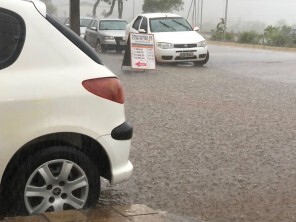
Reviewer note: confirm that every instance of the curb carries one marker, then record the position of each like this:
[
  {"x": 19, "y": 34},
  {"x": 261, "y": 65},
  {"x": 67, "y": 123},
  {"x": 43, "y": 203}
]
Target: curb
[
  {"x": 233, "y": 44},
  {"x": 125, "y": 213}
]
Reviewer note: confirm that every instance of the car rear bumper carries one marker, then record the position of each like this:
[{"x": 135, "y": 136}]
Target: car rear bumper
[
  {"x": 122, "y": 132},
  {"x": 181, "y": 54},
  {"x": 118, "y": 42},
  {"x": 117, "y": 146}
]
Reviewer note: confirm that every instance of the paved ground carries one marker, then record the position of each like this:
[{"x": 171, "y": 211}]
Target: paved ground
[{"x": 216, "y": 142}]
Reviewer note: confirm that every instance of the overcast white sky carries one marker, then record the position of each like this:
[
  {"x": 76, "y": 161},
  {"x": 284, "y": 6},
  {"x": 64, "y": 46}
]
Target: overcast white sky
[{"x": 267, "y": 11}]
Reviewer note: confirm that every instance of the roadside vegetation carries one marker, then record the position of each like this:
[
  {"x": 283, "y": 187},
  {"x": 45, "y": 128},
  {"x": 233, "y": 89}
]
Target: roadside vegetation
[{"x": 278, "y": 36}]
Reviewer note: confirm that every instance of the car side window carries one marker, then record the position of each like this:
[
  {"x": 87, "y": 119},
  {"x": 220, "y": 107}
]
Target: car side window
[
  {"x": 137, "y": 23},
  {"x": 67, "y": 22},
  {"x": 95, "y": 24},
  {"x": 12, "y": 37},
  {"x": 144, "y": 24},
  {"x": 91, "y": 24}
]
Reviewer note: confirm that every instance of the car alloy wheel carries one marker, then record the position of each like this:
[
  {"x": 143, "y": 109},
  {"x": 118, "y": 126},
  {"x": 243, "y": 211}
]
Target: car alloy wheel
[
  {"x": 55, "y": 184},
  {"x": 55, "y": 178},
  {"x": 98, "y": 47}
]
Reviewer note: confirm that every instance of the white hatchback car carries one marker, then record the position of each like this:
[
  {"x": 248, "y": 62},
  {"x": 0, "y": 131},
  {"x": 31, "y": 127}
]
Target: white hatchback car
[
  {"x": 62, "y": 115},
  {"x": 175, "y": 40}
]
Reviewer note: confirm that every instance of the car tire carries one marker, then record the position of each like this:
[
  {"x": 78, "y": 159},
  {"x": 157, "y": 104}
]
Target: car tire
[
  {"x": 99, "y": 47},
  {"x": 53, "y": 179},
  {"x": 158, "y": 62},
  {"x": 201, "y": 63},
  {"x": 118, "y": 51}
]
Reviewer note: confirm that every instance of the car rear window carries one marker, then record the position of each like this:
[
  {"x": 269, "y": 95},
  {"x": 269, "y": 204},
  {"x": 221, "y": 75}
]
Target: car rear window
[
  {"x": 74, "y": 38},
  {"x": 112, "y": 25},
  {"x": 84, "y": 22},
  {"x": 12, "y": 37}
]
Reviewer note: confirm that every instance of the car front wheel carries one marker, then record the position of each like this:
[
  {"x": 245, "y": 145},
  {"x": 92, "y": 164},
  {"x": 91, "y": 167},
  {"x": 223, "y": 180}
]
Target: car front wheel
[
  {"x": 201, "y": 63},
  {"x": 99, "y": 47},
  {"x": 54, "y": 179}
]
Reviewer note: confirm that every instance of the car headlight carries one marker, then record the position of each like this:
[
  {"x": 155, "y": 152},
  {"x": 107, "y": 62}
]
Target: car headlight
[
  {"x": 202, "y": 44},
  {"x": 108, "y": 38},
  {"x": 165, "y": 45}
]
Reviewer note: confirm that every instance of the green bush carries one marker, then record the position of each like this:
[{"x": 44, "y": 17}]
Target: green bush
[
  {"x": 229, "y": 36},
  {"x": 250, "y": 37},
  {"x": 278, "y": 36},
  {"x": 274, "y": 36},
  {"x": 278, "y": 39},
  {"x": 219, "y": 36}
]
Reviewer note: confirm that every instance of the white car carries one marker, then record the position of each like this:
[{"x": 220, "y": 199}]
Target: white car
[
  {"x": 175, "y": 40},
  {"x": 62, "y": 115},
  {"x": 84, "y": 23}
]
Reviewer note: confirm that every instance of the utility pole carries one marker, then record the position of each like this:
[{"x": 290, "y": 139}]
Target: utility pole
[
  {"x": 193, "y": 20},
  {"x": 201, "y": 14},
  {"x": 225, "y": 19},
  {"x": 133, "y": 8},
  {"x": 197, "y": 13},
  {"x": 75, "y": 16}
]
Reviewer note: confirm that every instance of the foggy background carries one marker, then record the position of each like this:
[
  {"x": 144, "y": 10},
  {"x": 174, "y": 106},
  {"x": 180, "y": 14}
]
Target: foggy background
[{"x": 243, "y": 15}]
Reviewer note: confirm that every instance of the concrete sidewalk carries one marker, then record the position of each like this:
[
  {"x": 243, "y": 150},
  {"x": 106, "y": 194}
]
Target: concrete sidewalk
[{"x": 126, "y": 213}]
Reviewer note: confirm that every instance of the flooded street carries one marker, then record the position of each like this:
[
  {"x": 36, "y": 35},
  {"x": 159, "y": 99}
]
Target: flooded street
[{"x": 215, "y": 142}]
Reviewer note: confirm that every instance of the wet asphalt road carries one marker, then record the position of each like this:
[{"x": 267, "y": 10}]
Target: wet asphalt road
[{"x": 215, "y": 142}]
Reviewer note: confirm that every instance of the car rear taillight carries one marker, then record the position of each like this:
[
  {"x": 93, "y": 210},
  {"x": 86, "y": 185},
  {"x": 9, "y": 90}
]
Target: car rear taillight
[{"x": 107, "y": 88}]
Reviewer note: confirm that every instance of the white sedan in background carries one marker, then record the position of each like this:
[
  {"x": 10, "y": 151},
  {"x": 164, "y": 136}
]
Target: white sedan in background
[{"x": 175, "y": 39}]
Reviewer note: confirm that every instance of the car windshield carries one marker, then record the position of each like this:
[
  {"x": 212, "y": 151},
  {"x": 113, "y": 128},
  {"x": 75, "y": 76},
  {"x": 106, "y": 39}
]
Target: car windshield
[
  {"x": 85, "y": 22},
  {"x": 112, "y": 25},
  {"x": 169, "y": 25}
]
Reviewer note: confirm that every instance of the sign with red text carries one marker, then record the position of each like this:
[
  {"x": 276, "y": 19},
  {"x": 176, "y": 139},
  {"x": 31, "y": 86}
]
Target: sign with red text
[{"x": 142, "y": 51}]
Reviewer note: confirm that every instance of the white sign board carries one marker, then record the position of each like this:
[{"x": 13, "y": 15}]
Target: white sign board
[{"x": 142, "y": 51}]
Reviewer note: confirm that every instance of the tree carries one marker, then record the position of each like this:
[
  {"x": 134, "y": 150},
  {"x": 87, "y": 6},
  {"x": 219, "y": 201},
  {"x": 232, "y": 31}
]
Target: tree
[
  {"x": 269, "y": 30},
  {"x": 162, "y": 5},
  {"x": 278, "y": 36},
  {"x": 75, "y": 16},
  {"x": 111, "y": 9},
  {"x": 120, "y": 8},
  {"x": 112, "y": 3},
  {"x": 94, "y": 13},
  {"x": 220, "y": 29},
  {"x": 221, "y": 26},
  {"x": 50, "y": 7}
]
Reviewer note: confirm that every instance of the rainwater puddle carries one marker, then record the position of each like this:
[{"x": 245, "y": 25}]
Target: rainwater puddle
[{"x": 112, "y": 195}]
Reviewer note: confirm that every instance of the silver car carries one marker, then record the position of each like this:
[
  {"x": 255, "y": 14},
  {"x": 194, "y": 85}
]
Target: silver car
[{"x": 106, "y": 34}]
